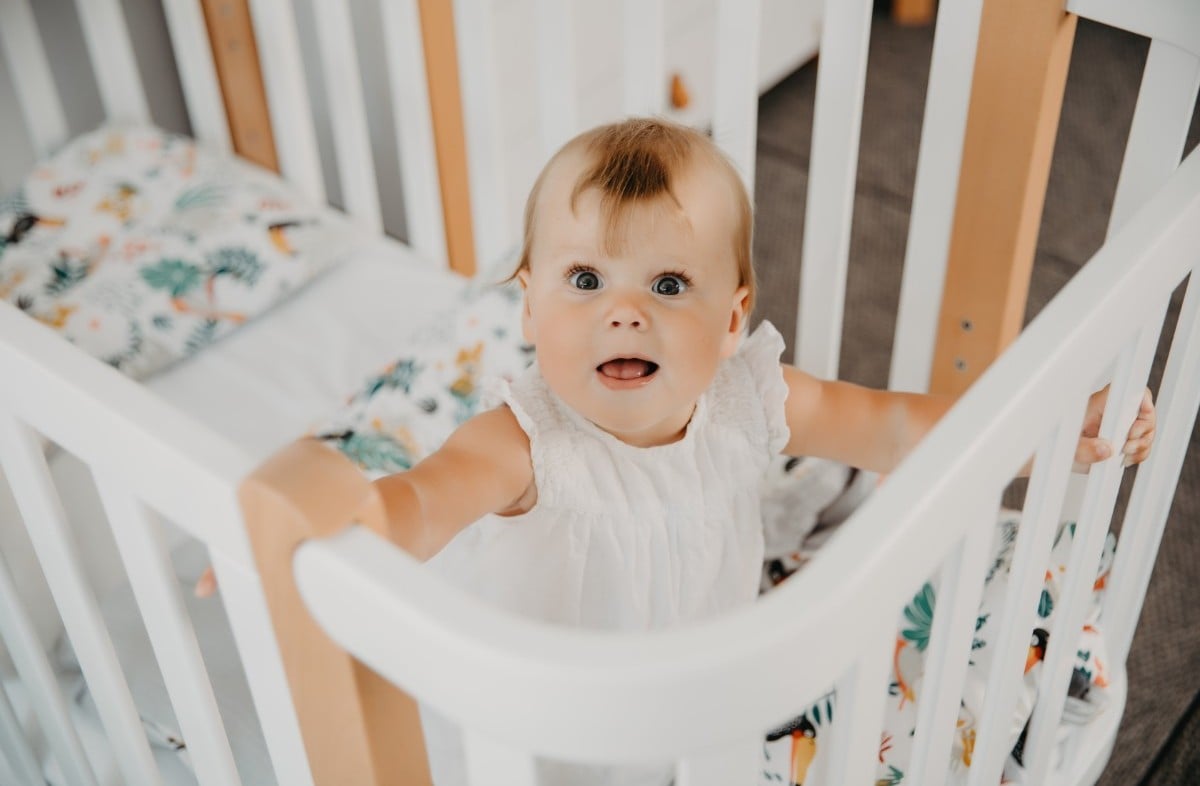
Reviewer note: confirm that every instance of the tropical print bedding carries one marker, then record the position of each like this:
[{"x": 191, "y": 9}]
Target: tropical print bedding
[
  {"x": 142, "y": 247},
  {"x": 412, "y": 405}
]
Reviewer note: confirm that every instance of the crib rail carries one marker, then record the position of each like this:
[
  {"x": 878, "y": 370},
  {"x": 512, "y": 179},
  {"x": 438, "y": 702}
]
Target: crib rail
[
  {"x": 577, "y": 690},
  {"x": 148, "y": 464}
]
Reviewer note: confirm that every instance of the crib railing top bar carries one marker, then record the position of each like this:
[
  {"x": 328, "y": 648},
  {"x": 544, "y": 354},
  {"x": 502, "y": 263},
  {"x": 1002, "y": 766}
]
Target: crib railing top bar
[
  {"x": 990, "y": 432},
  {"x": 1174, "y": 21},
  {"x": 185, "y": 471},
  {"x": 36, "y": 92},
  {"x": 287, "y": 96},
  {"x": 197, "y": 73},
  {"x": 111, "y": 52},
  {"x": 343, "y": 90},
  {"x": 413, "y": 120}
]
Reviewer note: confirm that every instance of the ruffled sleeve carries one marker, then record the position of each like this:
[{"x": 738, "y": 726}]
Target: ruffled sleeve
[
  {"x": 749, "y": 391},
  {"x": 757, "y": 360}
]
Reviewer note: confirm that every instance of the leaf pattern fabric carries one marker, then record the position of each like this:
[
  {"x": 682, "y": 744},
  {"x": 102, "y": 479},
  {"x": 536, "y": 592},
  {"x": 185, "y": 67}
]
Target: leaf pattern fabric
[
  {"x": 143, "y": 247},
  {"x": 1086, "y": 698},
  {"x": 407, "y": 409}
]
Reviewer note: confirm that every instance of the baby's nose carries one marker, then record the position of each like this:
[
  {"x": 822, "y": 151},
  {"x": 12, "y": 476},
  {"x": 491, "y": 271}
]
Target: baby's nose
[{"x": 626, "y": 313}]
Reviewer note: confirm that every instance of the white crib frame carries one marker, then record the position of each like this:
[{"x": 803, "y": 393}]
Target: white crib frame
[{"x": 582, "y": 686}]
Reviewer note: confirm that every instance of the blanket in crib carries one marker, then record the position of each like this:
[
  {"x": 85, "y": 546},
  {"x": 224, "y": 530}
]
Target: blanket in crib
[{"x": 142, "y": 247}]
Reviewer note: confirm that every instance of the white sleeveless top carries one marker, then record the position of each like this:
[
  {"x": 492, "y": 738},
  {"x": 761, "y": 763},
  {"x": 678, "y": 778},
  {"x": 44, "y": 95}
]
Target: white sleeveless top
[{"x": 631, "y": 538}]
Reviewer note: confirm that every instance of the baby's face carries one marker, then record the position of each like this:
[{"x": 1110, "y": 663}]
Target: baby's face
[{"x": 631, "y": 340}]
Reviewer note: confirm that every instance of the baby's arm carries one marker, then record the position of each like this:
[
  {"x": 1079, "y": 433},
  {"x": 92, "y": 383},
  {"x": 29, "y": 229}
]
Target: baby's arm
[
  {"x": 484, "y": 467},
  {"x": 859, "y": 426},
  {"x": 875, "y": 429}
]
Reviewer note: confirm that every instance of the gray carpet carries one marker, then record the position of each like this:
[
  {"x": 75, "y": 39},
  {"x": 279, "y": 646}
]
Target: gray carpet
[{"x": 1157, "y": 741}]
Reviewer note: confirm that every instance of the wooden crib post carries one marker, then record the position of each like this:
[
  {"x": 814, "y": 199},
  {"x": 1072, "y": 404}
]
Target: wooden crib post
[
  {"x": 357, "y": 727},
  {"x": 1016, "y": 97}
]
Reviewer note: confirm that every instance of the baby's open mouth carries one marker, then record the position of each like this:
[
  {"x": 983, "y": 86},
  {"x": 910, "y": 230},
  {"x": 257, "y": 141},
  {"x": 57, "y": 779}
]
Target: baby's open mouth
[{"x": 627, "y": 368}]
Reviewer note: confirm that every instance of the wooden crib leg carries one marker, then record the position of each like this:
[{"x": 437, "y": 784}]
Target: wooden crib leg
[
  {"x": 357, "y": 727},
  {"x": 1020, "y": 74}
]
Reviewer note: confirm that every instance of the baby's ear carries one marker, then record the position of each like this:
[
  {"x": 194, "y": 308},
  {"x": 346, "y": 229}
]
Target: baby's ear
[
  {"x": 737, "y": 321},
  {"x": 526, "y": 312}
]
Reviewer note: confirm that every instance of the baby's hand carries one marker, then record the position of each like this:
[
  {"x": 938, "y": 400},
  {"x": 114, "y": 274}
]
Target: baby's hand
[
  {"x": 1137, "y": 443},
  {"x": 206, "y": 585}
]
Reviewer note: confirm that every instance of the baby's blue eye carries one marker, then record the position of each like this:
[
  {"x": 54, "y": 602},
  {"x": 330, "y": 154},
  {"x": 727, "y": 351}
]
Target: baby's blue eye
[
  {"x": 669, "y": 285},
  {"x": 584, "y": 279}
]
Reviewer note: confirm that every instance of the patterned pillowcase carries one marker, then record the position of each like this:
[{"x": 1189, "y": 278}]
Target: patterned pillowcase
[
  {"x": 410, "y": 407},
  {"x": 142, "y": 247}
]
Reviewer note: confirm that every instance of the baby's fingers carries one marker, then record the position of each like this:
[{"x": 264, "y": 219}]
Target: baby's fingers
[
  {"x": 206, "y": 585},
  {"x": 1090, "y": 450},
  {"x": 1137, "y": 447}
]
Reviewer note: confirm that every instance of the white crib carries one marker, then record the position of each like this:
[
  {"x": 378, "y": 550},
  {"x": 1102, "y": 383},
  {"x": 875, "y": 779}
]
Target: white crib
[{"x": 703, "y": 695}]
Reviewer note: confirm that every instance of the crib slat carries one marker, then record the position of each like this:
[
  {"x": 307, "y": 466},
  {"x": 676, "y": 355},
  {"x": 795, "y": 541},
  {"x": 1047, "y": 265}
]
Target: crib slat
[
  {"x": 414, "y": 128},
  {"x": 841, "y": 79},
  {"x": 36, "y": 93},
  {"x": 1133, "y": 364},
  {"x": 490, "y": 762},
  {"x": 37, "y": 676},
  {"x": 558, "y": 104},
  {"x": 1159, "y": 129},
  {"x": 197, "y": 73},
  {"x": 14, "y": 745},
  {"x": 481, "y": 115},
  {"x": 736, "y": 764},
  {"x": 111, "y": 52},
  {"x": 644, "y": 77},
  {"x": 1154, "y": 488},
  {"x": 858, "y": 714},
  {"x": 148, "y": 564},
  {"x": 258, "y": 650},
  {"x": 735, "y": 105},
  {"x": 48, "y": 530},
  {"x": 1035, "y": 537},
  {"x": 959, "y": 591},
  {"x": 939, "y": 160},
  {"x": 343, "y": 91},
  {"x": 287, "y": 96}
]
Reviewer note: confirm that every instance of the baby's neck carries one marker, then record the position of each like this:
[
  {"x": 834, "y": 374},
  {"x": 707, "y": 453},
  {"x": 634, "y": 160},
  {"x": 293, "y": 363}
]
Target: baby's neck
[{"x": 663, "y": 433}]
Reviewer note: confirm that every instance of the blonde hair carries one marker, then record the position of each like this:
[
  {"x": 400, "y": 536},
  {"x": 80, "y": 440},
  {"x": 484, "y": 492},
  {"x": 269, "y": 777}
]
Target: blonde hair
[{"x": 634, "y": 162}]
